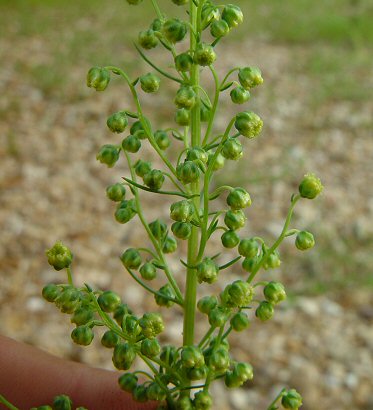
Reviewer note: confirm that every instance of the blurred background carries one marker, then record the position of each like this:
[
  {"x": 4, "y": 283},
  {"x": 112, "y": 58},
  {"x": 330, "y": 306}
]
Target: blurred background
[{"x": 316, "y": 103}]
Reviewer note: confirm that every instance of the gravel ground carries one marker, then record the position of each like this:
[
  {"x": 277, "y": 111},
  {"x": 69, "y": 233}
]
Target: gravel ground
[{"x": 51, "y": 187}]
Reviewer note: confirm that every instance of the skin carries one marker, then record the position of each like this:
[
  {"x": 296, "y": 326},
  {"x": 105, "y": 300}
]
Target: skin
[{"x": 30, "y": 377}]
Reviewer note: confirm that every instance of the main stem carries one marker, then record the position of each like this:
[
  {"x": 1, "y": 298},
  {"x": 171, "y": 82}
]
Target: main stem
[{"x": 191, "y": 278}]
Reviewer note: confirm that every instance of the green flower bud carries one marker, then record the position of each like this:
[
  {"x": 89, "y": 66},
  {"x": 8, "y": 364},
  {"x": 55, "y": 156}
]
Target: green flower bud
[
  {"x": 304, "y": 240},
  {"x": 180, "y": 2},
  {"x": 232, "y": 149},
  {"x": 218, "y": 163},
  {"x": 188, "y": 172},
  {"x": 181, "y": 211},
  {"x": 197, "y": 374},
  {"x": 219, "y": 28},
  {"x": 204, "y": 113},
  {"x": 139, "y": 394},
  {"x": 142, "y": 168},
  {"x": 240, "y": 322},
  {"x": 82, "y": 335},
  {"x": 147, "y": 39},
  {"x": 108, "y": 155},
  {"x": 134, "y": 2},
  {"x": 169, "y": 245},
  {"x": 209, "y": 14},
  {"x": 98, "y": 78},
  {"x": 219, "y": 360},
  {"x": 174, "y": 30},
  {"x": 116, "y": 192},
  {"x": 123, "y": 356},
  {"x": 128, "y": 382},
  {"x": 230, "y": 239},
  {"x": 162, "y": 298},
  {"x": 274, "y": 292},
  {"x": 158, "y": 228},
  {"x": 238, "y": 198},
  {"x": 291, "y": 400},
  {"x": 181, "y": 230},
  {"x": 131, "y": 144},
  {"x": 240, "y": 374},
  {"x": 184, "y": 403},
  {"x": 154, "y": 179},
  {"x": 108, "y": 301},
  {"x": 185, "y": 97},
  {"x": 192, "y": 356},
  {"x": 243, "y": 371},
  {"x": 117, "y": 122},
  {"x": 197, "y": 154},
  {"x": 182, "y": 117},
  {"x": 162, "y": 139},
  {"x": 121, "y": 311},
  {"x": 232, "y": 15},
  {"x": 156, "y": 25},
  {"x": 264, "y": 311},
  {"x": 150, "y": 347},
  {"x": 204, "y": 55},
  {"x": 135, "y": 127},
  {"x": 250, "y": 77},
  {"x": 249, "y": 264},
  {"x": 183, "y": 62},
  {"x": 206, "y": 304},
  {"x": 234, "y": 219},
  {"x": 155, "y": 392},
  {"x": 237, "y": 294},
  {"x": 109, "y": 339},
  {"x": 310, "y": 186},
  {"x": 124, "y": 212},
  {"x": 59, "y": 256},
  {"x": 239, "y": 95},
  {"x": 248, "y": 248},
  {"x": 149, "y": 83},
  {"x": 51, "y": 292},
  {"x": 82, "y": 315},
  {"x": 248, "y": 124},
  {"x": 148, "y": 271},
  {"x": 151, "y": 324},
  {"x": 68, "y": 300},
  {"x": 131, "y": 258},
  {"x": 202, "y": 401},
  {"x": 62, "y": 402},
  {"x": 218, "y": 316},
  {"x": 273, "y": 261},
  {"x": 207, "y": 271},
  {"x": 131, "y": 325}
]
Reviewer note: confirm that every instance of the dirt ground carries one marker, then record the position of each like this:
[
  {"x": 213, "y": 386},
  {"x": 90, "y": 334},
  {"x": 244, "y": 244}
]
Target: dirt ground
[{"x": 51, "y": 187}]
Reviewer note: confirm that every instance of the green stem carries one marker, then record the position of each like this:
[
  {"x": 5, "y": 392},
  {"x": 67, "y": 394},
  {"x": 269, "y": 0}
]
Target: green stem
[
  {"x": 294, "y": 200},
  {"x": 151, "y": 290},
  {"x": 164, "y": 73},
  {"x": 273, "y": 406},
  {"x": 145, "y": 188},
  {"x": 228, "y": 74},
  {"x": 69, "y": 276},
  {"x": 154, "y": 241},
  {"x": 157, "y": 9},
  {"x": 206, "y": 337},
  {"x": 191, "y": 276},
  {"x": 6, "y": 403},
  {"x": 143, "y": 120}
]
